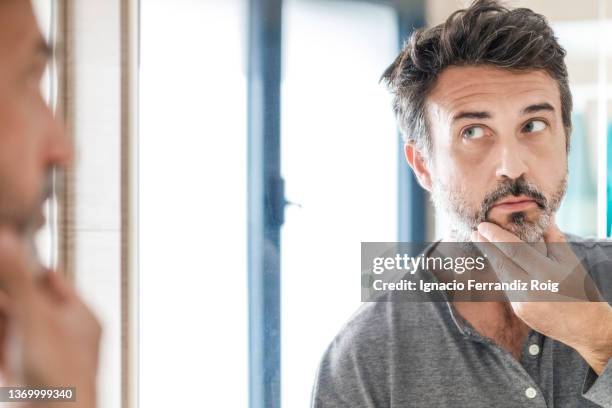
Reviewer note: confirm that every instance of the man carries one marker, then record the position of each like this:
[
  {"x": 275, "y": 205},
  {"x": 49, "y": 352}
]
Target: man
[
  {"x": 48, "y": 337},
  {"x": 484, "y": 104}
]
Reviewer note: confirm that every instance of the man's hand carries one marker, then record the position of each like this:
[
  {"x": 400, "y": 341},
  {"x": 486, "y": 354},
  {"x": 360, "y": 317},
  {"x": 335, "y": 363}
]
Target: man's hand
[
  {"x": 48, "y": 337},
  {"x": 583, "y": 325}
]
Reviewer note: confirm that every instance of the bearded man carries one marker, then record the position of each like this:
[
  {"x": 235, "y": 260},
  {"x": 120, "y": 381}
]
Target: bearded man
[{"x": 484, "y": 104}]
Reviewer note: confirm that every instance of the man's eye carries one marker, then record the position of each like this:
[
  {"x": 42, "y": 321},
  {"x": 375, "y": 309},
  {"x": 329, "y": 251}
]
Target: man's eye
[
  {"x": 473, "y": 132},
  {"x": 534, "y": 126}
]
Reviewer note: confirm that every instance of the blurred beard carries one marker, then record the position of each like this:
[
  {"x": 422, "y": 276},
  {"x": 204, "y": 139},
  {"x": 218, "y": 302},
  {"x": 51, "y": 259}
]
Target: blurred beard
[
  {"x": 24, "y": 218},
  {"x": 464, "y": 220}
]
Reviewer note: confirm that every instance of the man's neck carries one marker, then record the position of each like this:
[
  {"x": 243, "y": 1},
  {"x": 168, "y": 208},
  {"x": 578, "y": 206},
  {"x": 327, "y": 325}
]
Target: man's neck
[
  {"x": 497, "y": 321},
  {"x": 494, "y": 320}
]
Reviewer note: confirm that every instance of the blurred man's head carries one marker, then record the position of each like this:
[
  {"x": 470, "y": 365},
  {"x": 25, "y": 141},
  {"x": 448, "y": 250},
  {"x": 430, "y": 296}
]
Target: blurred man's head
[
  {"x": 31, "y": 140},
  {"x": 484, "y": 104}
]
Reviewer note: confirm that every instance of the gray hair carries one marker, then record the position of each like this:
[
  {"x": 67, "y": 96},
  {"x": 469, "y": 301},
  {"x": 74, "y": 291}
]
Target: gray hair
[{"x": 485, "y": 33}]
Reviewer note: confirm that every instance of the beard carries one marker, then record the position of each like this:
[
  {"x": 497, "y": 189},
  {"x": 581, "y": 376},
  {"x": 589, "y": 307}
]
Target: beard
[{"x": 464, "y": 220}]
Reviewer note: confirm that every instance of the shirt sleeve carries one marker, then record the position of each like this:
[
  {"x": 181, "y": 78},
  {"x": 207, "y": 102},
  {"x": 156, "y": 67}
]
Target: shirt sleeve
[
  {"x": 339, "y": 382},
  {"x": 598, "y": 389}
]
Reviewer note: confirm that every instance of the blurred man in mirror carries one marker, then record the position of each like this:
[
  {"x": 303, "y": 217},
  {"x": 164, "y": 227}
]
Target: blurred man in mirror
[{"x": 48, "y": 337}]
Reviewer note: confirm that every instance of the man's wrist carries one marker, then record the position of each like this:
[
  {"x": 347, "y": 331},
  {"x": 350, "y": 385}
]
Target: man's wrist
[{"x": 596, "y": 345}]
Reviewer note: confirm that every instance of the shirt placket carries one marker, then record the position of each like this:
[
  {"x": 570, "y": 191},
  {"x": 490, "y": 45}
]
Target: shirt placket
[
  {"x": 534, "y": 359},
  {"x": 527, "y": 380}
]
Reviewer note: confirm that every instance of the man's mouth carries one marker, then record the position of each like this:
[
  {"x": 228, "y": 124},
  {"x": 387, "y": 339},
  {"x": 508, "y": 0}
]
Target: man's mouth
[{"x": 514, "y": 204}]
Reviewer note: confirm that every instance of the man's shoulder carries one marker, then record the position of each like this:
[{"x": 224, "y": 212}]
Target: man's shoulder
[
  {"x": 379, "y": 336},
  {"x": 355, "y": 366},
  {"x": 575, "y": 238},
  {"x": 375, "y": 326},
  {"x": 340, "y": 379},
  {"x": 592, "y": 249},
  {"x": 368, "y": 322}
]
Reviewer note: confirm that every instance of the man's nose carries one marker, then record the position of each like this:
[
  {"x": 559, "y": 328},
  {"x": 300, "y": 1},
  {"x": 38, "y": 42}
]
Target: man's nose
[
  {"x": 511, "y": 163},
  {"x": 60, "y": 151}
]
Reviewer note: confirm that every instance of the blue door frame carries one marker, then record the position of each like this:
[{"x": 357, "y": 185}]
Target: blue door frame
[
  {"x": 411, "y": 213},
  {"x": 266, "y": 201}
]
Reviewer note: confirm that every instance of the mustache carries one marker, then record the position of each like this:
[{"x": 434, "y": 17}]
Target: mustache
[{"x": 512, "y": 187}]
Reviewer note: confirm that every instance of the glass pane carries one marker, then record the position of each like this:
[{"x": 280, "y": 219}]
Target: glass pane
[
  {"x": 193, "y": 204},
  {"x": 339, "y": 142},
  {"x": 582, "y": 191}
]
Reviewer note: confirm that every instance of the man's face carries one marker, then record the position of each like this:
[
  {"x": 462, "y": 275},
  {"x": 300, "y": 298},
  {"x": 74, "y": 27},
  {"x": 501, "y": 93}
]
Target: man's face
[
  {"x": 499, "y": 149},
  {"x": 31, "y": 140}
]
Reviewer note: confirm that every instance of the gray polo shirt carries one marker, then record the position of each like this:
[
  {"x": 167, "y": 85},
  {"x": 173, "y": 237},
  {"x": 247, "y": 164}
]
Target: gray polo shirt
[{"x": 424, "y": 354}]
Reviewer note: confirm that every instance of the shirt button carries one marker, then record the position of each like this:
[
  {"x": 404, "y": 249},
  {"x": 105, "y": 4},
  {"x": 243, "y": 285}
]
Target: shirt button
[
  {"x": 534, "y": 349},
  {"x": 530, "y": 392}
]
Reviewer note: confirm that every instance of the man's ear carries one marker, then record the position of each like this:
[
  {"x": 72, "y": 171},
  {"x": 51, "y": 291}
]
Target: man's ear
[{"x": 416, "y": 161}]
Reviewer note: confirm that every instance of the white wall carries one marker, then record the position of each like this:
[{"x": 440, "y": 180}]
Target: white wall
[{"x": 97, "y": 115}]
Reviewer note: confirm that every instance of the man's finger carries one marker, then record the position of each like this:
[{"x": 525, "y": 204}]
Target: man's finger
[
  {"x": 495, "y": 233},
  {"x": 503, "y": 266},
  {"x": 516, "y": 251},
  {"x": 558, "y": 247},
  {"x": 553, "y": 233}
]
